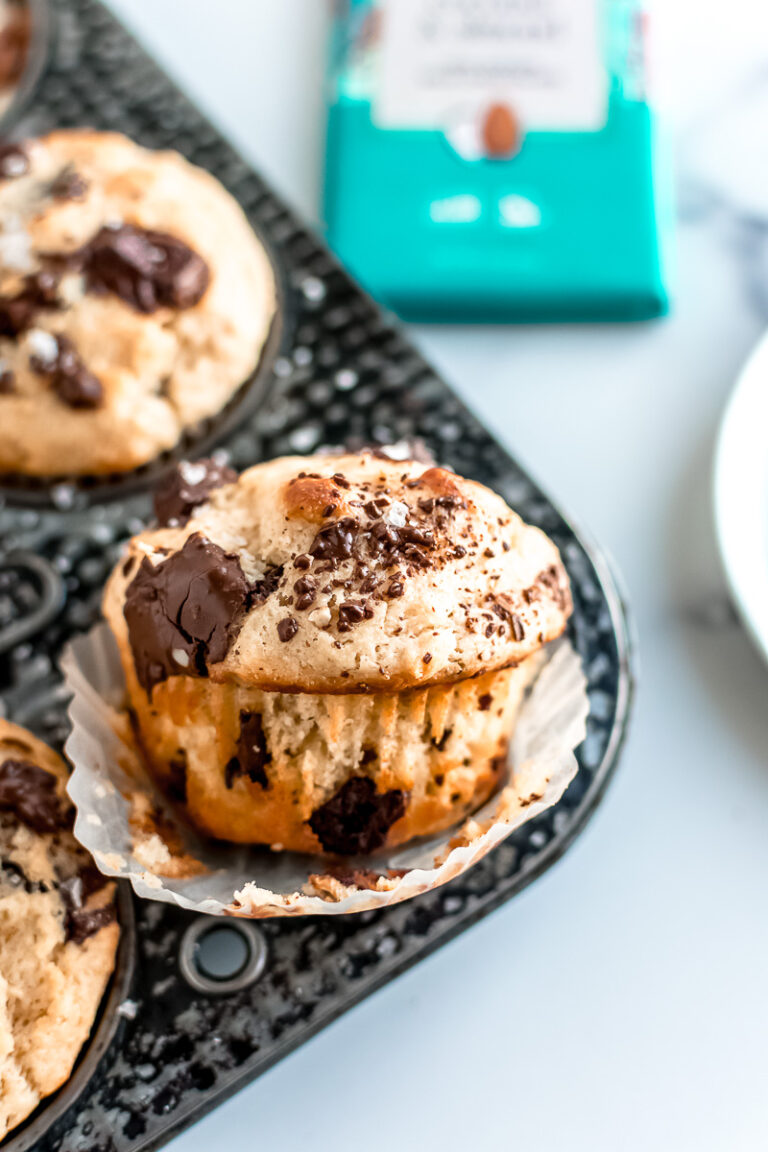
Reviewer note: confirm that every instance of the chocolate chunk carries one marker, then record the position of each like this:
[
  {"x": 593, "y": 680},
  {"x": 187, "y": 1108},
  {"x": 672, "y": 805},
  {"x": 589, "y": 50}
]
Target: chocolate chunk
[
  {"x": 395, "y": 590},
  {"x": 85, "y": 922},
  {"x": 306, "y": 592},
  {"x": 357, "y": 818},
  {"x": 287, "y": 629},
  {"x": 485, "y": 702},
  {"x": 441, "y": 743},
  {"x": 13, "y": 161},
  {"x": 335, "y": 541},
  {"x": 7, "y": 382},
  {"x": 68, "y": 185},
  {"x": 253, "y": 755},
  {"x": 17, "y": 313},
  {"x": 184, "y": 612},
  {"x": 188, "y": 486},
  {"x": 518, "y": 631},
  {"x": 68, "y": 376},
  {"x": 31, "y": 794},
  {"x": 146, "y": 269},
  {"x": 176, "y": 783},
  {"x": 266, "y": 586},
  {"x": 302, "y": 561},
  {"x": 351, "y": 613}
]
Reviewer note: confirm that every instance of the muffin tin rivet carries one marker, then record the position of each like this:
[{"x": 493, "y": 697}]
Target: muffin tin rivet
[{"x": 220, "y": 958}]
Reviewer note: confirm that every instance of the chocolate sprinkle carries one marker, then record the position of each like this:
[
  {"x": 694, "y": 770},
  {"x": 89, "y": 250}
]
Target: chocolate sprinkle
[
  {"x": 357, "y": 818},
  {"x": 146, "y": 269},
  {"x": 188, "y": 606},
  {"x": 187, "y": 487},
  {"x": 31, "y": 794}
]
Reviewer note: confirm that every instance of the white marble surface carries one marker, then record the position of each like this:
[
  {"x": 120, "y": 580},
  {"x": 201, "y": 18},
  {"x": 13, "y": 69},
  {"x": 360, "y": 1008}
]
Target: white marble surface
[{"x": 619, "y": 1003}]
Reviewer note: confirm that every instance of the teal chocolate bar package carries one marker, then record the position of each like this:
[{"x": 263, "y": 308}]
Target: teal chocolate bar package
[{"x": 496, "y": 160}]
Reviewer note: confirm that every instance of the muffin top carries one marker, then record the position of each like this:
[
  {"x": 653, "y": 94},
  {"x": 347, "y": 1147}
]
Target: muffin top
[
  {"x": 134, "y": 301},
  {"x": 58, "y": 931},
  {"x": 334, "y": 574}
]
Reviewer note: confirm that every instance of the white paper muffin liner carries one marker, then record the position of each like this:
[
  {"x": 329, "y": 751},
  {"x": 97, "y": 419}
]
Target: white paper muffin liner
[{"x": 235, "y": 880}]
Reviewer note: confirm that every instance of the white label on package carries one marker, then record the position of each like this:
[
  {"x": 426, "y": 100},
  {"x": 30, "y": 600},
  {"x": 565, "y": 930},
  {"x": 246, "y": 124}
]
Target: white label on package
[{"x": 442, "y": 60}]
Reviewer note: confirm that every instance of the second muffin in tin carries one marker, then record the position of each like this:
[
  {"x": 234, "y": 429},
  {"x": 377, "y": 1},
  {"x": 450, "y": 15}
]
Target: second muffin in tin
[
  {"x": 135, "y": 299},
  {"x": 329, "y": 653}
]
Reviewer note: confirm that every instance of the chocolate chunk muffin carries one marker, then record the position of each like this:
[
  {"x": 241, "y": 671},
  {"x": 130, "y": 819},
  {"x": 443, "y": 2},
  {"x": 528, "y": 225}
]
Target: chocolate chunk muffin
[
  {"x": 328, "y": 653},
  {"x": 58, "y": 932},
  {"x": 134, "y": 301}
]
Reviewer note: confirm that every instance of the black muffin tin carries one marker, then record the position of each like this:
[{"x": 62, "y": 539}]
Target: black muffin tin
[{"x": 171, "y": 1042}]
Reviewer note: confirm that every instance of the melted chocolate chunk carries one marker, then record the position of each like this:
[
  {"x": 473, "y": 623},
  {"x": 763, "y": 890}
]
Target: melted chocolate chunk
[
  {"x": 485, "y": 702},
  {"x": 17, "y": 313},
  {"x": 68, "y": 185},
  {"x": 187, "y": 487},
  {"x": 253, "y": 755},
  {"x": 13, "y": 161},
  {"x": 7, "y": 382},
  {"x": 69, "y": 378},
  {"x": 146, "y": 269},
  {"x": 30, "y": 793},
  {"x": 184, "y": 612},
  {"x": 357, "y": 818},
  {"x": 336, "y": 541}
]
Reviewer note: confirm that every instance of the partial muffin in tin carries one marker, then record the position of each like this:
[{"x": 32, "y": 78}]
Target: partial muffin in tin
[
  {"x": 322, "y": 654},
  {"x": 135, "y": 299},
  {"x": 58, "y": 933}
]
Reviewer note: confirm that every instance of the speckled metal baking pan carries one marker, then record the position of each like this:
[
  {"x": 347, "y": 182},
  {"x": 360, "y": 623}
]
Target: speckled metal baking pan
[{"x": 341, "y": 370}]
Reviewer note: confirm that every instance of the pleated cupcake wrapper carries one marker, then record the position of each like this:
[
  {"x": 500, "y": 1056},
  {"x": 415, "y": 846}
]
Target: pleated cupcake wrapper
[{"x": 233, "y": 880}]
